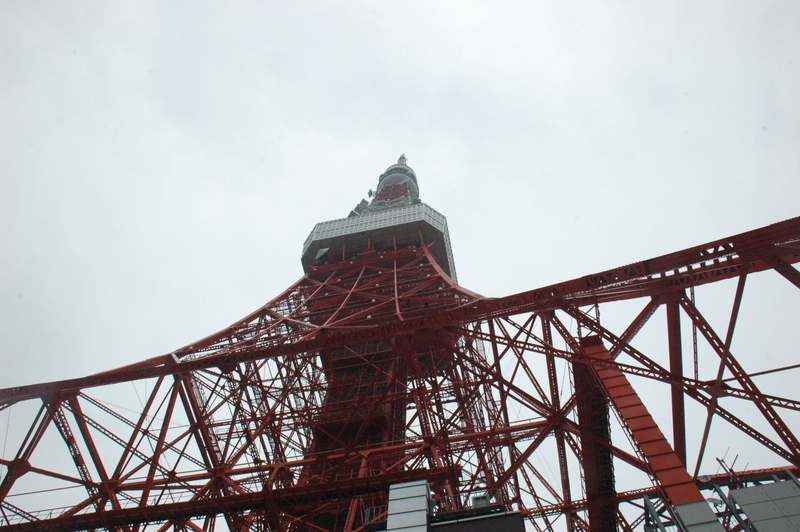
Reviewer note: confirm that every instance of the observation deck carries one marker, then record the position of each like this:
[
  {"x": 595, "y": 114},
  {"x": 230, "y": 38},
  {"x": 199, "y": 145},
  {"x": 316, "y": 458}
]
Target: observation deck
[{"x": 395, "y": 218}]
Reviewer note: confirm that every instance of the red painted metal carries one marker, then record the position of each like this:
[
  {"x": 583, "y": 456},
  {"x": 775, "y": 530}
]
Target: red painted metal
[
  {"x": 676, "y": 368},
  {"x": 664, "y": 463},
  {"x": 597, "y": 460},
  {"x": 378, "y": 368}
]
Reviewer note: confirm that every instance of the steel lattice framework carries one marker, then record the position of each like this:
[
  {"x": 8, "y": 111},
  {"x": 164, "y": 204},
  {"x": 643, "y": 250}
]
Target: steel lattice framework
[{"x": 379, "y": 368}]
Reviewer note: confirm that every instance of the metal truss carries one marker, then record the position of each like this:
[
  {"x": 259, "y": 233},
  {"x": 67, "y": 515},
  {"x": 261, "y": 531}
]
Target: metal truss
[{"x": 577, "y": 404}]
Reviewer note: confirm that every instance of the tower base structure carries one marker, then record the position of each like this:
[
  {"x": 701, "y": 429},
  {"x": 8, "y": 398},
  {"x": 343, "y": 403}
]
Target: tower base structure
[{"x": 377, "y": 372}]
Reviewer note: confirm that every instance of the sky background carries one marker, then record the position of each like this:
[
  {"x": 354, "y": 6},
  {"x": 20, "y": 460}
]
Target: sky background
[{"x": 161, "y": 163}]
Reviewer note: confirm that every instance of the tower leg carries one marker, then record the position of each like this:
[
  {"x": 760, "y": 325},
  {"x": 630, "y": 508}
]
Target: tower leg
[{"x": 595, "y": 435}]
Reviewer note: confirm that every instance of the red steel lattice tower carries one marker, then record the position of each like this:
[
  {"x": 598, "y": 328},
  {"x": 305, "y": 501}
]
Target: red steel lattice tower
[{"x": 377, "y": 368}]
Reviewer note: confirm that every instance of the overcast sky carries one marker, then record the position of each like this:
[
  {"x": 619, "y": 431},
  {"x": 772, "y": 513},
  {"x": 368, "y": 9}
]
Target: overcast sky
[{"x": 161, "y": 163}]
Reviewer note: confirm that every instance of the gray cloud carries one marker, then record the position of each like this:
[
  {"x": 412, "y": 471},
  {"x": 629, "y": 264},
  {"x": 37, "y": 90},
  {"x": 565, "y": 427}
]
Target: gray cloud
[{"x": 163, "y": 163}]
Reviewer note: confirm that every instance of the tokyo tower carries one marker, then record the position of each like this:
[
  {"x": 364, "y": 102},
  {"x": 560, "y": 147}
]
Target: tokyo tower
[{"x": 376, "y": 393}]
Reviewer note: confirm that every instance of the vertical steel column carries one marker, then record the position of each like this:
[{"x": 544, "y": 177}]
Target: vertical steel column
[
  {"x": 556, "y": 402},
  {"x": 676, "y": 369},
  {"x": 665, "y": 466},
  {"x": 595, "y": 434}
]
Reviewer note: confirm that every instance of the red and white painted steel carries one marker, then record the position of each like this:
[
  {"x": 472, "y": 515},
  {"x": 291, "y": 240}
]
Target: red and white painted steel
[{"x": 227, "y": 431}]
